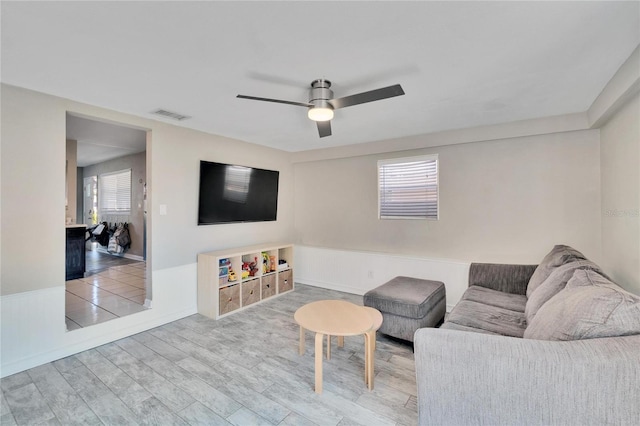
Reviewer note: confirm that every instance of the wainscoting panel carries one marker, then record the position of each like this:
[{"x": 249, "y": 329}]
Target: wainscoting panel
[
  {"x": 358, "y": 272},
  {"x": 33, "y": 328}
]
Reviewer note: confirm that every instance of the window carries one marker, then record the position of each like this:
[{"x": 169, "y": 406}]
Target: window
[
  {"x": 114, "y": 192},
  {"x": 408, "y": 188}
]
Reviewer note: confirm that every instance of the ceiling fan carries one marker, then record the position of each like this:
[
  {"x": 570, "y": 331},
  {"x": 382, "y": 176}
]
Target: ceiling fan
[{"x": 321, "y": 102}]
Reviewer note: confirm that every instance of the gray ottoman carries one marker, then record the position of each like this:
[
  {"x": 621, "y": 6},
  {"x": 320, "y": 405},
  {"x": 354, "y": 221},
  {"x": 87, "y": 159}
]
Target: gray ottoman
[{"x": 408, "y": 304}]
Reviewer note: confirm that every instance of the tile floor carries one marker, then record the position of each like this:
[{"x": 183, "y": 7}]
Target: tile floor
[
  {"x": 112, "y": 293},
  {"x": 243, "y": 369}
]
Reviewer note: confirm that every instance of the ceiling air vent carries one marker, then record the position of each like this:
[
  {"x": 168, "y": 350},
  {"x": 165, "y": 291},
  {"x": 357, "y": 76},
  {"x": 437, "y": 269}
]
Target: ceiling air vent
[{"x": 169, "y": 114}]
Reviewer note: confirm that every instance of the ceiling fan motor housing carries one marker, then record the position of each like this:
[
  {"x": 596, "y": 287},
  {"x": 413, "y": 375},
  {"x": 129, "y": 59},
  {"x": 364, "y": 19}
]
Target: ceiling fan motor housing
[{"x": 321, "y": 94}]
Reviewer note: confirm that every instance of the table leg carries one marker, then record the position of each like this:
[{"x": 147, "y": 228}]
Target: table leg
[
  {"x": 319, "y": 356},
  {"x": 301, "y": 347},
  {"x": 369, "y": 348},
  {"x": 366, "y": 359},
  {"x": 341, "y": 341}
]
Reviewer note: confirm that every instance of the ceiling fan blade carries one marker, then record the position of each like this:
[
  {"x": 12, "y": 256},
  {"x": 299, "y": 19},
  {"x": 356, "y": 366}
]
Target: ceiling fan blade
[
  {"x": 254, "y": 98},
  {"x": 324, "y": 128},
  {"x": 370, "y": 96}
]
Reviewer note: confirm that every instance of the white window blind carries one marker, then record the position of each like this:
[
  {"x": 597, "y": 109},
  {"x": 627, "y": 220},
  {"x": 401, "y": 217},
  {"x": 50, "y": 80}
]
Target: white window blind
[
  {"x": 114, "y": 192},
  {"x": 408, "y": 188}
]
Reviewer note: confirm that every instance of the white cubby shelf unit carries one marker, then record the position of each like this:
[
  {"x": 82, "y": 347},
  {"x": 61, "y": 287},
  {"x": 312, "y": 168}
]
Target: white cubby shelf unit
[{"x": 232, "y": 279}]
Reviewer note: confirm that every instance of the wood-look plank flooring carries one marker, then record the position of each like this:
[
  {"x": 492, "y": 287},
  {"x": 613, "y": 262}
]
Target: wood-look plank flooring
[{"x": 243, "y": 369}]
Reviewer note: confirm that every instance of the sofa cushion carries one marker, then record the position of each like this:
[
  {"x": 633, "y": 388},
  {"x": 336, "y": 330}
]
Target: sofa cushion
[
  {"x": 558, "y": 256},
  {"x": 490, "y": 318},
  {"x": 589, "y": 307},
  {"x": 512, "y": 302},
  {"x": 555, "y": 283},
  {"x": 454, "y": 326}
]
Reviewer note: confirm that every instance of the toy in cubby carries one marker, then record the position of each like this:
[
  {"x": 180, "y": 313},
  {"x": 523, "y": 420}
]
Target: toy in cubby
[
  {"x": 253, "y": 267},
  {"x": 232, "y": 275},
  {"x": 249, "y": 269}
]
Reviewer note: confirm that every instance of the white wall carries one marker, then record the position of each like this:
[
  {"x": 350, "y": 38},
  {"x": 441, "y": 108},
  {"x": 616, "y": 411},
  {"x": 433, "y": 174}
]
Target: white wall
[
  {"x": 507, "y": 200},
  {"x": 32, "y": 176},
  {"x": 620, "y": 156}
]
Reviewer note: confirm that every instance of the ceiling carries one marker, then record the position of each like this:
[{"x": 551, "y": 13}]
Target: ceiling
[
  {"x": 461, "y": 64},
  {"x": 100, "y": 141}
]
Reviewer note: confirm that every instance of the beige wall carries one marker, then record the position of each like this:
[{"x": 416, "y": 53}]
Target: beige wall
[
  {"x": 138, "y": 165},
  {"x": 505, "y": 200},
  {"x": 620, "y": 157},
  {"x": 176, "y": 168},
  {"x": 33, "y": 189}
]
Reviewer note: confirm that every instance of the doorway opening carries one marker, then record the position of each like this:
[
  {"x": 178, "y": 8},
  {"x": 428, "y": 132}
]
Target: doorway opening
[{"x": 107, "y": 275}]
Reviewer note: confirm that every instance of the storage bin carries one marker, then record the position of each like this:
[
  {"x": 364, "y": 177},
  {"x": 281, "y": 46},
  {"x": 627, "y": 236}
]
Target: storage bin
[
  {"x": 285, "y": 281},
  {"x": 250, "y": 292},
  {"x": 229, "y": 299},
  {"x": 268, "y": 285}
]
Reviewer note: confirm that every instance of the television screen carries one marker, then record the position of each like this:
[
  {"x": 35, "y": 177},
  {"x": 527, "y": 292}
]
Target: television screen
[{"x": 230, "y": 193}]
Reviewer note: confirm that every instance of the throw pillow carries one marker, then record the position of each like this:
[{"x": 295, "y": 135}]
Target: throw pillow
[
  {"x": 555, "y": 283},
  {"x": 558, "y": 256},
  {"x": 589, "y": 307}
]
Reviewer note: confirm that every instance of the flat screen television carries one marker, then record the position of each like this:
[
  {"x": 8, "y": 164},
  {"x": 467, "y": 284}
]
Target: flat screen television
[{"x": 231, "y": 193}]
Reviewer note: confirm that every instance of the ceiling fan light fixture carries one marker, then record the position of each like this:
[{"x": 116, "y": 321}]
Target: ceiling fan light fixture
[
  {"x": 322, "y": 103},
  {"x": 320, "y": 114}
]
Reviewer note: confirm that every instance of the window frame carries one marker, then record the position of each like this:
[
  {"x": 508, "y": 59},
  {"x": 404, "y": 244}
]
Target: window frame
[{"x": 395, "y": 161}]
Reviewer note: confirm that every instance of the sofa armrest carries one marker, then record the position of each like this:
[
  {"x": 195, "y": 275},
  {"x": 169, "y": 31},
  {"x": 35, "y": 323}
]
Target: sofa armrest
[
  {"x": 472, "y": 378},
  {"x": 501, "y": 277}
]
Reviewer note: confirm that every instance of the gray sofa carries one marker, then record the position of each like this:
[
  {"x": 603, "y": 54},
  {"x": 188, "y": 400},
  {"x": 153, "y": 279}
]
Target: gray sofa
[{"x": 556, "y": 343}]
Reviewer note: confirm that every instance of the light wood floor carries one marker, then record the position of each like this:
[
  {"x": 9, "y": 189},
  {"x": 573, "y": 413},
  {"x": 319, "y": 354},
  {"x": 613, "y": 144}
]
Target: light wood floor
[{"x": 243, "y": 370}]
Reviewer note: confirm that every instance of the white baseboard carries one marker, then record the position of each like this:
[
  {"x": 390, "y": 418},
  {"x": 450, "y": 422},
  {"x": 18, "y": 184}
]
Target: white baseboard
[
  {"x": 331, "y": 286},
  {"x": 125, "y": 255},
  {"x": 357, "y": 272},
  {"x": 133, "y": 257}
]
